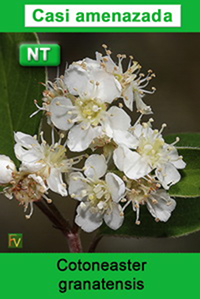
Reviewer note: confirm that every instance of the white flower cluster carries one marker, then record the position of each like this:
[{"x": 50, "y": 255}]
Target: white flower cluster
[{"x": 124, "y": 164}]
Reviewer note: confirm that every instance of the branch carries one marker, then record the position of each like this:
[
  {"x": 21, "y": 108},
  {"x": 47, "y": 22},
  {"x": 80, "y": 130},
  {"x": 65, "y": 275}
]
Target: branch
[
  {"x": 59, "y": 222},
  {"x": 94, "y": 243}
]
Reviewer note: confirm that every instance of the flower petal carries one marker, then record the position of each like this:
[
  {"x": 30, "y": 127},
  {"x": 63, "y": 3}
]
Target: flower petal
[
  {"x": 86, "y": 220},
  {"x": 31, "y": 167},
  {"x": 125, "y": 138},
  {"x": 140, "y": 105},
  {"x": 128, "y": 97},
  {"x": 95, "y": 166},
  {"x": 26, "y": 140},
  {"x": 180, "y": 164},
  {"x": 19, "y": 151},
  {"x": 117, "y": 119},
  {"x": 79, "y": 139},
  {"x": 55, "y": 182},
  {"x": 27, "y": 156},
  {"x": 116, "y": 186},
  {"x": 119, "y": 157},
  {"x": 138, "y": 169},
  {"x": 137, "y": 130},
  {"x": 176, "y": 160},
  {"x": 7, "y": 167},
  {"x": 59, "y": 108},
  {"x": 168, "y": 175},
  {"x": 77, "y": 79},
  {"x": 111, "y": 66},
  {"x": 115, "y": 218},
  {"x": 76, "y": 185},
  {"x": 91, "y": 64},
  {"x": 108, "y": 89},
  {"x": 27, "y": 148},
  {"x": 163, "y": 207},
  {"x": 133, "y": 165}
]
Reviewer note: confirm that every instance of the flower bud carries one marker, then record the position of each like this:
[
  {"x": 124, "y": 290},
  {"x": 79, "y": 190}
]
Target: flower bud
[{"x": 7, "y": 167}]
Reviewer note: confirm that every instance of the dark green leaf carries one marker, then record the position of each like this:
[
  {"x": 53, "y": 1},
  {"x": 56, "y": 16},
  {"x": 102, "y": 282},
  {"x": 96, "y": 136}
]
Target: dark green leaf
[
  {"x": 18, "y": 89},
  {"x": 189, "y": 185},
  {"x": 185, "y": 219},
  {"x": 186, "y": 139}
]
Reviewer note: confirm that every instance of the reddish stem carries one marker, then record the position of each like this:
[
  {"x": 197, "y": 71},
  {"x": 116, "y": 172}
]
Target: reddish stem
[{"x": 74, "y": 242}]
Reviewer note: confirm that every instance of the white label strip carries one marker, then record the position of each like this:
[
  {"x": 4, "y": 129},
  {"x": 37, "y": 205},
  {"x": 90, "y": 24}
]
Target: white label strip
[{"x": 102, "y": 15}]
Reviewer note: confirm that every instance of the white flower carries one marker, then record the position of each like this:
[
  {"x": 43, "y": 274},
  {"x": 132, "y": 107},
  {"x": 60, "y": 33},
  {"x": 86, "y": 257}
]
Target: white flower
[
  {"x": 152, "y": 153},
  {"x": 146, "y": 191},
  {"x": 87, "y": 118},
  {"x": 78, "y": 78},
  {"x": 86, "y": 114},
  {"x": 132, "y": 84},
  {"x": 99, "y": 198},
  {"x": 53, "y": 90},
  {"x": 7, "y": 168},
  {"x": 160, "y": 205},
  {"x": 49, "y": 161},
  {"x": 26, "y": 188}
]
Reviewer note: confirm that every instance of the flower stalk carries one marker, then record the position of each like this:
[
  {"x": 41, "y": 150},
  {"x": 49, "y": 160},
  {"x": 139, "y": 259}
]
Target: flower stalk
[{"x": 59, "y": 222}]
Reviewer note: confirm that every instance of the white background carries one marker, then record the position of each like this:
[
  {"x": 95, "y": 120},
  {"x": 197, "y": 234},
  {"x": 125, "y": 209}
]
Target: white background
[{"x": 73, "y": 9}]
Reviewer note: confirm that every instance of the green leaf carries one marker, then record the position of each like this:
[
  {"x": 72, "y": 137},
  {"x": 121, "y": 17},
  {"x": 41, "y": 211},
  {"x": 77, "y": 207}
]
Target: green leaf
[
  {"x": 189, "y": 185},
  {"x": 186, "y": 139},
  {"x": 189, "y": 148},
  {"x": 185, "y": 219},
  {"x": 18, "y": 89}
]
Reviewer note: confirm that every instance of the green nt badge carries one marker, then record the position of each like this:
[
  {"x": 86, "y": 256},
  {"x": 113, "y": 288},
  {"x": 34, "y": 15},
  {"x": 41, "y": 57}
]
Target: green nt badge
[
  {"x": 15, "y": 240},
  {"x": 39, "y": 55}
]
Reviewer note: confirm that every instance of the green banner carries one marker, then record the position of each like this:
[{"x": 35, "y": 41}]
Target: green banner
[
  {"x": 13, "y": 17},
  {"x": 99, "y": 275}
]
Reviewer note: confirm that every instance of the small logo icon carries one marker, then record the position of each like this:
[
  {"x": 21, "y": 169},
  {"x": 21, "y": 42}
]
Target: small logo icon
[
  {"x": 15, "y": 240},
  {"x": 39, "y": 55}
]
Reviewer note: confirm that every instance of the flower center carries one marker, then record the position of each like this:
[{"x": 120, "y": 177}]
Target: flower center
[
  {"x": 99, "y": 196},
  {"x": 139, "y": 192},
  {"x": 26, "y": 189},
  {"x": 54, "y": 155},
  {"x": 151, "y": 149},
  {"x": 119, "y": 77},
  {"x": 90, "y": 110},
  {"x": 140, "y": 189}
]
